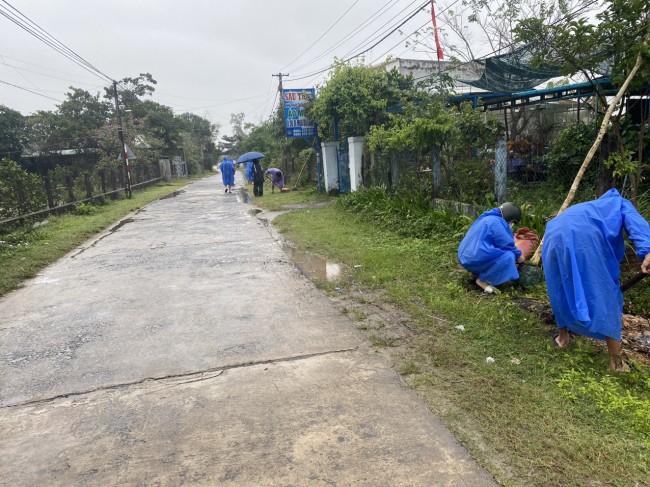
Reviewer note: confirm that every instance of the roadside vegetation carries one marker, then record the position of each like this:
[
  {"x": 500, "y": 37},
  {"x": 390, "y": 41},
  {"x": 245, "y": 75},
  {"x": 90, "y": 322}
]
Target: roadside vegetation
[
  {"x": 538, "y": 415},
  {"x": 533, "y": 414}
]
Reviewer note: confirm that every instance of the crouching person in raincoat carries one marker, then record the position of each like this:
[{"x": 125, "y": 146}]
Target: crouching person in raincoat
[
  {"x": 488, "y": 249},
  {"x": 583, "y": 247}
]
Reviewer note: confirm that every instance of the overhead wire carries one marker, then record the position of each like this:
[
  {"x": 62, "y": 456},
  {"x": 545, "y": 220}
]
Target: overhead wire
[
  {"x": 48, "y": 75},
  {"x": 31, "y": 91},
  {"x": 384, "y": 34},
  {"x": 322, "y": 35},
  {"x": 362, "y": 43},
  {"x": 394, "y": 29},
  {"x": 269, "y": 98},
  {"x": 25, "y": 23},
  {"x": 21, "y": 20},
  {"x": 350, "y": 35},
  {"x": 568, "y": 16}
]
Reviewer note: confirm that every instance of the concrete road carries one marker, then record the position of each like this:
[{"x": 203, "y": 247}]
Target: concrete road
[{"x": 183, "y": 347}]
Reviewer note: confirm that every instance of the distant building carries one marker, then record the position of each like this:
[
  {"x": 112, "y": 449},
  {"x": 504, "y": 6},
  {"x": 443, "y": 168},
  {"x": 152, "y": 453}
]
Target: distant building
[{"x": 421, "y": 69}]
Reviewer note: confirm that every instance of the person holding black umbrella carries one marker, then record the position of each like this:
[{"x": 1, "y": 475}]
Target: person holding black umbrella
[
  {"x": 258, "y": 178},
  {"x": 258, "y": 172}
]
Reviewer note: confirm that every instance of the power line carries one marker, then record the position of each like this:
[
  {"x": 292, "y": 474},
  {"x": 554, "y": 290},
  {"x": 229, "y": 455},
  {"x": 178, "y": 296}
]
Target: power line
[
  {"x": 413, "y": 14},
  {"x": 49, "y": 75},
  {"x": 362, "y": 43},
  {"x": 25, "y": 23},
  {"x": 31, "y": 91},
  {"x": 322, "y": 35},
  {"x": 567, "y": 17},
  {"x": 385, "y": 36}
]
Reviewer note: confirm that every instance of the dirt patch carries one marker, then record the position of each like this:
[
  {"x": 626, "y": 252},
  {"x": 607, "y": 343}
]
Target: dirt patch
[{"x": 636, "y": 329}]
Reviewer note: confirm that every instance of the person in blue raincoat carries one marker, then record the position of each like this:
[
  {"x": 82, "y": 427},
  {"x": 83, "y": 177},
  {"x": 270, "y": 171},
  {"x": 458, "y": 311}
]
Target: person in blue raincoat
[
  {"x": 249, "y": 175},
  {"x": 583, "y": 247},
  {"x": 488, "y": 249},
  {"x": 227, "y": 168}
]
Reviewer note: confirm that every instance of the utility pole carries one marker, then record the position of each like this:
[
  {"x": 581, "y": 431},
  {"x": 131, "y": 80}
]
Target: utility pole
[
  {"x": 124, "y": 152},
  {"x": 280, "y": 75}
]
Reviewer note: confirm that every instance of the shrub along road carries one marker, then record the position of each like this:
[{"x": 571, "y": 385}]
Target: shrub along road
[{"x": 183, "y": 347}]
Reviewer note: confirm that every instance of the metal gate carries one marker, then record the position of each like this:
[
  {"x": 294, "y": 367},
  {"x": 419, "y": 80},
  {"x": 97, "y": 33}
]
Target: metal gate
[{"x": 343, "y": 161}]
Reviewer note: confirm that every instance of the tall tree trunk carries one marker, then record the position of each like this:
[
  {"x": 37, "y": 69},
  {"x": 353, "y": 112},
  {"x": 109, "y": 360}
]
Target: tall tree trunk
[{"x": 601, "y": 133}]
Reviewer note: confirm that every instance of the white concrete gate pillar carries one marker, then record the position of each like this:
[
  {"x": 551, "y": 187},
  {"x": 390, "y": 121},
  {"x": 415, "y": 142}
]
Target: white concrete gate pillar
[
  {"x": 330, "y": 166},
  {"x": 357, "y": 145}
]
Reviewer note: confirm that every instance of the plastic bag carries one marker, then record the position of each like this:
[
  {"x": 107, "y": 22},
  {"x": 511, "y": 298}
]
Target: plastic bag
[{"x": 530, "y": 275}]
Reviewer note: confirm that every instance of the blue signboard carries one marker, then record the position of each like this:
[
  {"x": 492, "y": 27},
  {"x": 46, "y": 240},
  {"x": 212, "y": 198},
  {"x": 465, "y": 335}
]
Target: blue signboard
[{"x": 296, "y": 124}]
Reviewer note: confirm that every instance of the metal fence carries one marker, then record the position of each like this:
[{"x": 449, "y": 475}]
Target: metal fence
[
  {"x": 509, "y": 171},
  {"x": 32, "y": 196}
]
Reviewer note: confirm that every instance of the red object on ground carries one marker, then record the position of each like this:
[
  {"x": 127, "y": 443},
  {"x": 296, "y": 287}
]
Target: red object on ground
[{"x": 527, "y": 241}]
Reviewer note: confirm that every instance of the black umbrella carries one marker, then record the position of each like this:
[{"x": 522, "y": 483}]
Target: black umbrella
[{"x": 249, "y": 156}]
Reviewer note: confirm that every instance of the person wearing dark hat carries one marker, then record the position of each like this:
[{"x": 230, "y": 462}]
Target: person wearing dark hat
[{"x": 488, "y": 249}]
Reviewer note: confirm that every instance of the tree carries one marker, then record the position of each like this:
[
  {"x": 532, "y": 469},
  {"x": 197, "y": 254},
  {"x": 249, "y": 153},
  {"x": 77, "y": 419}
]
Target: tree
[
  {"x": 198, "y": 136},
  {"x": 620, "y": 40},
  {"x": 489, "y": 24},
  {"x": 358, "y": 97},
  {"x": 231, "y": 145},
  {"x": 455, "y": 133},
  {"x": 80, "y": 116},
  {"x": 132, "y": 90},
  {"x": 480, "y": 28},
  {"x": 12, "y": 132}
]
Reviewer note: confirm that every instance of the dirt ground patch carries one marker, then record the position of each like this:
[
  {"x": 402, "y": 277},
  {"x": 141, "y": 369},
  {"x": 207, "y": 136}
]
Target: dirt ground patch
[{"x": 636, "y": 330}]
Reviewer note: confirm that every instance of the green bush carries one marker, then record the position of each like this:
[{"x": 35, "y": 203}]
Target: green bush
[
  {"x": 12, "y": 175},
  {"x": 408, "y": 214},
  {"x": 568, "y": 152},
  {"x": 85, "y": 209}
]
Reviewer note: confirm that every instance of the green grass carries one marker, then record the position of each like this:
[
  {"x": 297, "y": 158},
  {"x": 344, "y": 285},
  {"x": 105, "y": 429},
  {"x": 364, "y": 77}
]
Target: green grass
[
  {"x": 25, "y": 251},
  {"x": 277, "y": 201},
  {"x": 558, "y": 418}
]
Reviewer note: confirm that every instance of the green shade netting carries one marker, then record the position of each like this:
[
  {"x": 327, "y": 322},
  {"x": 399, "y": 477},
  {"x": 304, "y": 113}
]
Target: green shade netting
[{"x": 511, "y": 72}]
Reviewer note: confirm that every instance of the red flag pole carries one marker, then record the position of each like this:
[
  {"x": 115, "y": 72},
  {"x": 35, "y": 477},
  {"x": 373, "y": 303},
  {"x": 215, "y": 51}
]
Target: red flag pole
[{"x": 435, "y": 33}]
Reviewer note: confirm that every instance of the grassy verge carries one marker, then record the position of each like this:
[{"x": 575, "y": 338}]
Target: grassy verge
[
  {"x": 538, "y": 415},
  {"x": 24, "y": 251},
  {"x": 277, "y": 201}
]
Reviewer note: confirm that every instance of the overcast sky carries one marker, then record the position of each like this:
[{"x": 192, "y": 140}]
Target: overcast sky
[{"x": 210, "y": 57}]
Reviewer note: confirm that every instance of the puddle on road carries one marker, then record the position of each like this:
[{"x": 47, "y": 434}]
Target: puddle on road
[
  {"x": 316, "y": 267},
  {"x": 243, "y": 196}
]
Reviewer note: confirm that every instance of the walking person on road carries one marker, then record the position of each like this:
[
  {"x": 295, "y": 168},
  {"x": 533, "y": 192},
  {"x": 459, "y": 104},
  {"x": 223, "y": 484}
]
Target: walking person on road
[
  {"x": 227, "y": 169},
  {"x": 583, "y": 247},
  {"x": 488, "y": 249}
]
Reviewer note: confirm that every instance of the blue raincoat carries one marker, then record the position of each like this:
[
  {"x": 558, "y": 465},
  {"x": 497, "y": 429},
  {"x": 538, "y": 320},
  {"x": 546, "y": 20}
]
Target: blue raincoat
[
  {"x": 583, "y": 247},
  {"x": 488, "y": 249},
  {"x": 227, "y": 169},
  {"x": 249, "y": 172}
]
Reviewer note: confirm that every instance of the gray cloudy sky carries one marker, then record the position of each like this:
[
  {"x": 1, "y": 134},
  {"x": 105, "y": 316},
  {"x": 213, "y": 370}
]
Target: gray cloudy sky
[{"x": 210, "y": 57}]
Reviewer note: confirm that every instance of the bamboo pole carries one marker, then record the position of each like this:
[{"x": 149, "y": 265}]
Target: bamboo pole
[{"x": 537, "y": 257}]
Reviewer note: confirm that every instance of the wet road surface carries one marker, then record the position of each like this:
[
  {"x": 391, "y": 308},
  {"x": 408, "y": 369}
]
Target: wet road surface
[{"x": 183, "y": 347}]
